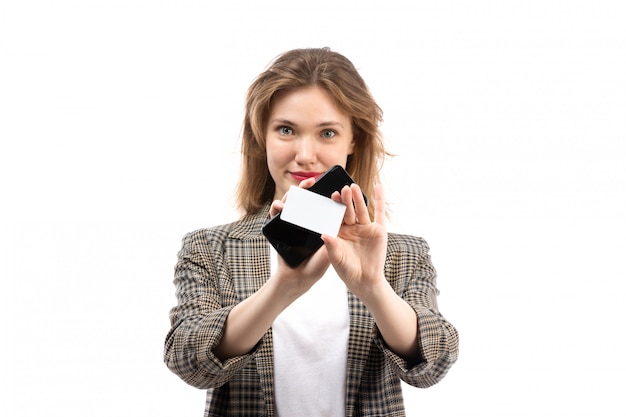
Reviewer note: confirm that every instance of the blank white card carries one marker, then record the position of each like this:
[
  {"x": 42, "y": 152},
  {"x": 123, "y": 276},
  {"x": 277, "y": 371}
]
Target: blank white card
[{"x": 313, "y": 211}]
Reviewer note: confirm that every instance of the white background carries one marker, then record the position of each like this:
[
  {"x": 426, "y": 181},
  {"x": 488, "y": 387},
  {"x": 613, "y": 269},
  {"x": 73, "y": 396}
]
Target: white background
[{"x": 120, "y": 122}]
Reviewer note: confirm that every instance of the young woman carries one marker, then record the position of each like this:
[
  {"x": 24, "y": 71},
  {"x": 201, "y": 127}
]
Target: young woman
[{"x": 334, "y": 336}]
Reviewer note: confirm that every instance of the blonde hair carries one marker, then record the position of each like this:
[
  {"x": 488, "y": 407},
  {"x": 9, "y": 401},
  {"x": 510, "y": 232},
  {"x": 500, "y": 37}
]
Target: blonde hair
[{"x": 300, "y": 68}]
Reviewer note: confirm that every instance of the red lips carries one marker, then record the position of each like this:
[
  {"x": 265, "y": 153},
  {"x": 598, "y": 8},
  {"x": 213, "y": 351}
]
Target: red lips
[{"x": 303, "y": 175}]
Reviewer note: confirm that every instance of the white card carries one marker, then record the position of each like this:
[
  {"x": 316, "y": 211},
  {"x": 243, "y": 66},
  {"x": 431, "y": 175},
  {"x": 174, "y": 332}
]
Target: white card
[{"x": 313, "y": 211}]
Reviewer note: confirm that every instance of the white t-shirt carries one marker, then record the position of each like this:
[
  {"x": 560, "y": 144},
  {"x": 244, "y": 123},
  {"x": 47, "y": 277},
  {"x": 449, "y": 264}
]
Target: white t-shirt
[{"x": 311, "y": 349}]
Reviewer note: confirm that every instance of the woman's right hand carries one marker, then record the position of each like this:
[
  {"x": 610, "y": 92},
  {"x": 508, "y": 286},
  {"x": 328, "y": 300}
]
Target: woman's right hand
[
  {"x": 302, "y": 277},
  {"x": 249, "y": 320}
]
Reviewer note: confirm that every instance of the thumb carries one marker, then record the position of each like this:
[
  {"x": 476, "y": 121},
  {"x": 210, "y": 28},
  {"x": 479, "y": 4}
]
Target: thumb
[
  {"x": 329, "y": 241},
  {"x": 332, "y": 247}
]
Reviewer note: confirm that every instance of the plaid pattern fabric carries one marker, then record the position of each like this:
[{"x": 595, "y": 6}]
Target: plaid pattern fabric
[{"x": 220, "y": 266}]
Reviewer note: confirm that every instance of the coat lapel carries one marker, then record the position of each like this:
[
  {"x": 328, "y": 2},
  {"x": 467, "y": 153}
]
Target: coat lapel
[
  {"x": 247, "y": 254},
  {"x": 359, "y": 345}
]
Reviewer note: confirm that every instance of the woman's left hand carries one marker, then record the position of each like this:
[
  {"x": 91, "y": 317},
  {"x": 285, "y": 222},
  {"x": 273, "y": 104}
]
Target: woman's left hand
[{"x": 358, "y": 253}]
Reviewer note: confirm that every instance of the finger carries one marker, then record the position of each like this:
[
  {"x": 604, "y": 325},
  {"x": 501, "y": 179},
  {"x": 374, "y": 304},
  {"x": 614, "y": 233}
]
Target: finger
[
  {"x": 379, "y": 204},
  {"x": 276, "y": 207},
  {"x": 360, "y": 207},
  {"x": 307, "y": 183},
  {"x": 349, "y": 216},
  {"x": 332, "y": 247}
]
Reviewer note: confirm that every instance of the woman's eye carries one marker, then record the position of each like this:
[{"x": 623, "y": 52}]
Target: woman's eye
[
  {"x": 284, "y": 130},
  {"x": 328, "y": 133}
]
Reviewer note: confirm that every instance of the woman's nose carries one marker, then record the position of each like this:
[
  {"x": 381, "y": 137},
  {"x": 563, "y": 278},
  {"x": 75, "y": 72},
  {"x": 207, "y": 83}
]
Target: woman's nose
[{"x": 306, "y": 151}]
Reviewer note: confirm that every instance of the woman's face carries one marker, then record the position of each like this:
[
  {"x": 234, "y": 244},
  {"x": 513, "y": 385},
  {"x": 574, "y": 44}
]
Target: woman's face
[{"x": 306, "y": 135}]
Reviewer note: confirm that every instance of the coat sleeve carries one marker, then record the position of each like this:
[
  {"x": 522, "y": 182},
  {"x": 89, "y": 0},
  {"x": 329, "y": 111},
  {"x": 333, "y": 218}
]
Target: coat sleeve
[
  {"x": 197, "y": 321},
  {"x": 412, "y": 275}
]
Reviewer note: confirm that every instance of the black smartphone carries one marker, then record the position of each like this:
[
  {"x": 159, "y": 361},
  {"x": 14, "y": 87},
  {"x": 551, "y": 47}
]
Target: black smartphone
[{"x": 294, "y": 243}]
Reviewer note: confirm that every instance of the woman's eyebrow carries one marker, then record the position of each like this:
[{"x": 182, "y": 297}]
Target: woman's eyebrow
[
  {"x": 290, "y": 123},
  {"x": 329, "y": 124},
  {"x": 282, "y": 121}
]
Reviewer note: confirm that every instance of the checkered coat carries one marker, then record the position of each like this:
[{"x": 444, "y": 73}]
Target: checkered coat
[{"x": 220, "y": 266}]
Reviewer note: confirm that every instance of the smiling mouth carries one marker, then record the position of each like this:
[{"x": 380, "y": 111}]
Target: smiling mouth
[{"x": 301, "y": 176}]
